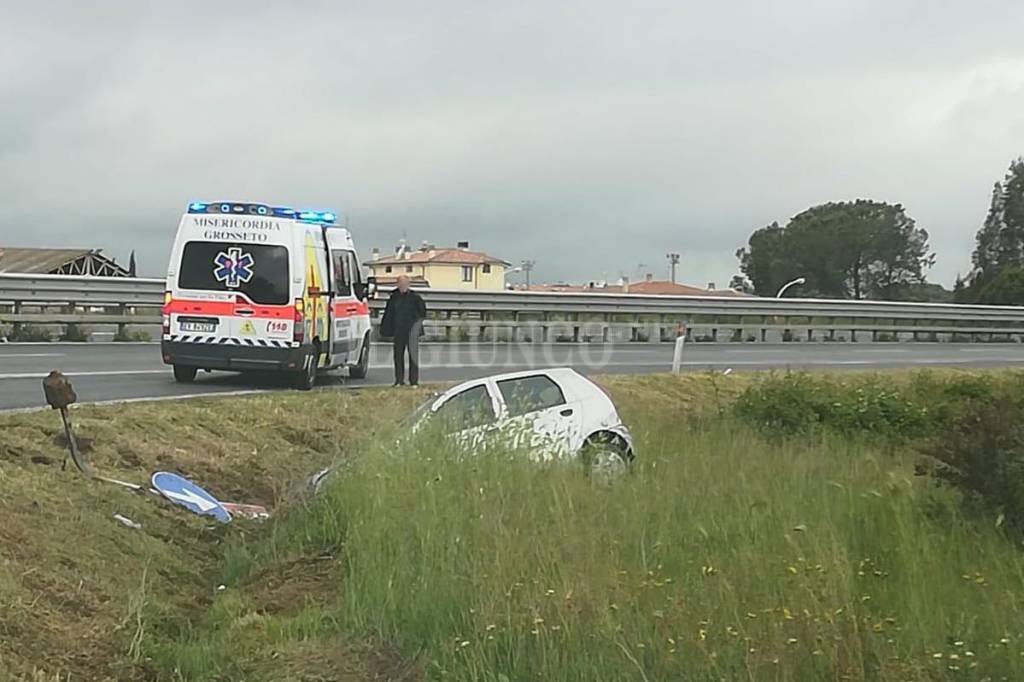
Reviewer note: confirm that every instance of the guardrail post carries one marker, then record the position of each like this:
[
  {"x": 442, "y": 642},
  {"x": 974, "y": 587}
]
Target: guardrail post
[
  {"x": 122, "y": 327},
  {"x": 16, "y": 326}
]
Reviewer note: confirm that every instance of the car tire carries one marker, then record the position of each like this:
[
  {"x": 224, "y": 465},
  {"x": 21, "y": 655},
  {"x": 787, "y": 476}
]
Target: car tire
[
  {"x": 306, "y": 378},
  {"x": 184, "y": 374},
  {"x": 362, "y": 368},
  {"x": 605, "y": 456}
]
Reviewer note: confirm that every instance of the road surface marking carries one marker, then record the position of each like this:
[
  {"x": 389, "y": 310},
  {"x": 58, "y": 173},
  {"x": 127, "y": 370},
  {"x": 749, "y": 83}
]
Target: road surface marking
[
  {"x": 72, "y": 374},
  {"x": 32, "y": 355}
]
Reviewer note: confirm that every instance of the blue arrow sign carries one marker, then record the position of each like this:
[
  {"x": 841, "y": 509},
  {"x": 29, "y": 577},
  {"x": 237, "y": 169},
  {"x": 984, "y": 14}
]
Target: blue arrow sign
[{"x": 186, "y": 493}]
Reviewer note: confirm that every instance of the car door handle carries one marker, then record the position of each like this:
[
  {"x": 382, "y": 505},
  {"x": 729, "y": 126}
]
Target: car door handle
[
  {"x": 244, "y": 312},
  {"x": 567, "y": 412}
]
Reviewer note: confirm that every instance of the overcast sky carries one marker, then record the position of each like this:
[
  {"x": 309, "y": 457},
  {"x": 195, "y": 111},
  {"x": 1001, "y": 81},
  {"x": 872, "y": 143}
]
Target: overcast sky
[{"x": 592, "y": 137}]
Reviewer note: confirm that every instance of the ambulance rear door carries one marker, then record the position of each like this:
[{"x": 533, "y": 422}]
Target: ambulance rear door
[{"x": 234, "y": 284}]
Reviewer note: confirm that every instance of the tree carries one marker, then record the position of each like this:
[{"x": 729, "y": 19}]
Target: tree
[
  {"x": 741, "y": 284},
  {"x": 1006, "y": 288},
  {"x": 858, "y": 249},
  {"x": 1000, "y": 241}
]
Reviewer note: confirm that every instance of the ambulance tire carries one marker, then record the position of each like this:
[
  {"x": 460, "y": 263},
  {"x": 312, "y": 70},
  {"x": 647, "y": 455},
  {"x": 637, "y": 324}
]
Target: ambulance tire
[
  {"x": 306, "y": 378},
  {"x": 184, "y": 374},
  {"x": 361, "y": 368}
]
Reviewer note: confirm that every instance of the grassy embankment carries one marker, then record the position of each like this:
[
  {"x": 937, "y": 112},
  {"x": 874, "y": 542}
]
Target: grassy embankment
[{"x": 728, "y": 553}]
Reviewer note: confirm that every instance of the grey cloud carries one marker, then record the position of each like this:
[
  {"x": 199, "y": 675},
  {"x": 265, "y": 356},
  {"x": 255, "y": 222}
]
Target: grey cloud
[{"x": 591, "y": 137}]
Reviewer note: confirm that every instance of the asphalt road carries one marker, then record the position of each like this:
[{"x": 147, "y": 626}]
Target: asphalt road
[{"x": 108, "y": 372}]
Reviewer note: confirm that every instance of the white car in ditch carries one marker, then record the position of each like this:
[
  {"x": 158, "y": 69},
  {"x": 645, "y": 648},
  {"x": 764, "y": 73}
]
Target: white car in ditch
[{"x": 553, "y": 413}]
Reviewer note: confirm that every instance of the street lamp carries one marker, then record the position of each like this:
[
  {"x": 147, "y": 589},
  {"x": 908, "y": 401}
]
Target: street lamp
[
  {"x": 795, "y": 282},
  {"x": 504, "y": 278}
]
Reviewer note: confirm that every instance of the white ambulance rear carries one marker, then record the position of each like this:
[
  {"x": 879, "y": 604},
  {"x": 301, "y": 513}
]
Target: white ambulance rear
[{"x": 252, "y": 287}]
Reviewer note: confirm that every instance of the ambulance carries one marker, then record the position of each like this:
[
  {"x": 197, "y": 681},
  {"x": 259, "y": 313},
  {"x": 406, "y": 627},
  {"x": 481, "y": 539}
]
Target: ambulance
[{"x": 252, "y": 287}]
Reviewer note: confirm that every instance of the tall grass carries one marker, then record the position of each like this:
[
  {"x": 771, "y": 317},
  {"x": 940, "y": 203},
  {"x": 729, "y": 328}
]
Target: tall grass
[{"x": 720, "y": 556}]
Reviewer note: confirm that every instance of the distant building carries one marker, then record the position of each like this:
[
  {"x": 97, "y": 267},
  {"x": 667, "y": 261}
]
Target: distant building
[
  {"x": 649, "y": 286},
  {"x": 59, "y": 262},
  {"x": 440, "y": 267}
]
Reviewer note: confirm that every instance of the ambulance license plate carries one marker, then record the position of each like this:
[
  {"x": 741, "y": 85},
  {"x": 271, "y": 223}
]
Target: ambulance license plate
[{"x": 198, "y": 326}]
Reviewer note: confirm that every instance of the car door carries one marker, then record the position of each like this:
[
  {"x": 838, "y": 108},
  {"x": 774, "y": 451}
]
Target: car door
[
  {"x": 345, "y": 306},
  {"x": 539, "y": 414},
  {"x": 469, "y": 415}
]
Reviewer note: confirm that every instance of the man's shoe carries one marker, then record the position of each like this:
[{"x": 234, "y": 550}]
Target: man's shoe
[{"x": 397, "y": 383}]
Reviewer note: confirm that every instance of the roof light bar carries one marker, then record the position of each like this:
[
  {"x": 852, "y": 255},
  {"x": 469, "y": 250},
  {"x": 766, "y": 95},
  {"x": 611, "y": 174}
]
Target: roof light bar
[{"x": 308, "y": 215}]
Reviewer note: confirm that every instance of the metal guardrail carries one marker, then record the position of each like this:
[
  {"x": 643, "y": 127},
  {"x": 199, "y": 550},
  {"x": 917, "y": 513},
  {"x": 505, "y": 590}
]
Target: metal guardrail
[{"x": 59, "y": 299}]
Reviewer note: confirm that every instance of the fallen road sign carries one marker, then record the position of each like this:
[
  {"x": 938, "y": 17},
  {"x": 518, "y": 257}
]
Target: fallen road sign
[{"x": 184, "y": 492}]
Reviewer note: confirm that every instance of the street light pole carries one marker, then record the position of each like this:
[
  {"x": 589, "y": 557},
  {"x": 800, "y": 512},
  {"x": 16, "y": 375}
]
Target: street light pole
[
  {"x": 527, "y": 267},
  {"x": 795, "y": 282},
  {"x": 673, "y": 260}
]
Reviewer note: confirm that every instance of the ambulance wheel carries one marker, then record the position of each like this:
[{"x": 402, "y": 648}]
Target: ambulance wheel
[
  {"x": 360, "y": 369},
  {"x": 184, "y": 374},
  {"x": 307, "y": 377}
]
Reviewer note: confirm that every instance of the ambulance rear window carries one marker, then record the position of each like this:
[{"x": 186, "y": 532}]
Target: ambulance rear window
[{"x": 259, "y": 271}]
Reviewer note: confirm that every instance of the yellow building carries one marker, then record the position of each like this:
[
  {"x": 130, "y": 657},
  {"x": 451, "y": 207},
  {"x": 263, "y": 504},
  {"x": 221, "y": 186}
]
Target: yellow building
[{"x": 440, "y": 268}]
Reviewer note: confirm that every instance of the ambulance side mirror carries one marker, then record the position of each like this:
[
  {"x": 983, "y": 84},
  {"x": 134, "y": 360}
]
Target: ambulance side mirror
[{"x": 371, "y": 288}]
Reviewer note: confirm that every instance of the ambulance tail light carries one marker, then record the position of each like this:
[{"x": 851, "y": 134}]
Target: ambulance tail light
[
  {"x": 299, "y": 333},
  {"x": 166, "y": 313}
]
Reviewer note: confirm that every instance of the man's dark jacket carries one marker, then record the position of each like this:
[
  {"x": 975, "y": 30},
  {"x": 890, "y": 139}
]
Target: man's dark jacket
[{"x": 401, "y": 313}]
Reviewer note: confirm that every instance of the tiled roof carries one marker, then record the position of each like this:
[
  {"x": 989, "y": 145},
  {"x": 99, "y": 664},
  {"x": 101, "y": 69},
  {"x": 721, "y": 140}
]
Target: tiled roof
[
  {"x": 452, "y": 256},
  {"x": 647, "y": 287}
]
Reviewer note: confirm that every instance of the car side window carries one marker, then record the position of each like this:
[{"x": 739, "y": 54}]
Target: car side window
[
  {"x": 341, "y": 264},
  {"x": 530, "y": 394},
  {"x": 355, "y": 272},
  {"x": 466, "y": 410}
]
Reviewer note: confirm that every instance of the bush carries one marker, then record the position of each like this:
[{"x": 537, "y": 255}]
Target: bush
[
  {"x": 797, "y": 403},
  {"x": 132, "y": 336},
  {"x": 75, "y": 333},
  {"x": 30, "y": 333},
  {"x": 981, "y": 454}
]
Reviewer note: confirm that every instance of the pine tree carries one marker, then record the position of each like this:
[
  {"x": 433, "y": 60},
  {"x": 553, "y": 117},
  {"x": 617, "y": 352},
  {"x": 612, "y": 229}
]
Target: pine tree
[{"x": 1000, "y": 241}]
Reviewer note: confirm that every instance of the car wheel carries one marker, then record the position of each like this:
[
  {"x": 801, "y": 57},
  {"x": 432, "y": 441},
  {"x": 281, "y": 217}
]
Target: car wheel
[
  {"x": 306, "y": 379},
  {"x": 604, "y": 456},
  {"x": 184, "y": 374},
  {"x": 361, "y": 368}
]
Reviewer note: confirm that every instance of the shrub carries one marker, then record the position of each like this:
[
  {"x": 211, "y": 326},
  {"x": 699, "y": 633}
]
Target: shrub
[
  {"x": 981, "y": 454},
  {"x": 794, "y": 403},
  {"x": 76, "y": 333},
  {"x": 30, "y": 333}
]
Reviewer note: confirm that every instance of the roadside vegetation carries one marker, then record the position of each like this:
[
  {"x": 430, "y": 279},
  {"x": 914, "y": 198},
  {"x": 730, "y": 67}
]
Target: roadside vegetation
[{"x": 776, "y": 527}]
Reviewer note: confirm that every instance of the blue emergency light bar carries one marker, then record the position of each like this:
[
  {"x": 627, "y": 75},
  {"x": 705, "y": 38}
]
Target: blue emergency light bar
[{"x": 307, "y": 215}]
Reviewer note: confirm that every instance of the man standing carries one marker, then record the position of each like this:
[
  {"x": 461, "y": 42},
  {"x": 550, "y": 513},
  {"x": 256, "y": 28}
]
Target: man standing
[{"x": 403, "y": 321}]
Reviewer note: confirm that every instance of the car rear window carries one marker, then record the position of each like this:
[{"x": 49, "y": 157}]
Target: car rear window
[
  {"x": 530, "y": 394},
  {"x": 260, "y": 271}
]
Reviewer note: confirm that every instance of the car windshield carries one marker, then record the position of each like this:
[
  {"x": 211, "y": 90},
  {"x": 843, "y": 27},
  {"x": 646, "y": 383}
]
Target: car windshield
[{"x": 418, "y": 414}]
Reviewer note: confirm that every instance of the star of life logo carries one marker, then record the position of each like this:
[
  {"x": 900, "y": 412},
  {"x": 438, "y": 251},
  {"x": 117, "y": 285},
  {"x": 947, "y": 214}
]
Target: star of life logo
[{"x": 233, "y": 267}]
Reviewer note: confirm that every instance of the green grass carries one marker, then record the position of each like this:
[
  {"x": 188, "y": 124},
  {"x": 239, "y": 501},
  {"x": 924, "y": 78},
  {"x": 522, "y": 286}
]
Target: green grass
[
  {"x": 722, "y": 556},
  {"x": 728, "y": 553}
]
